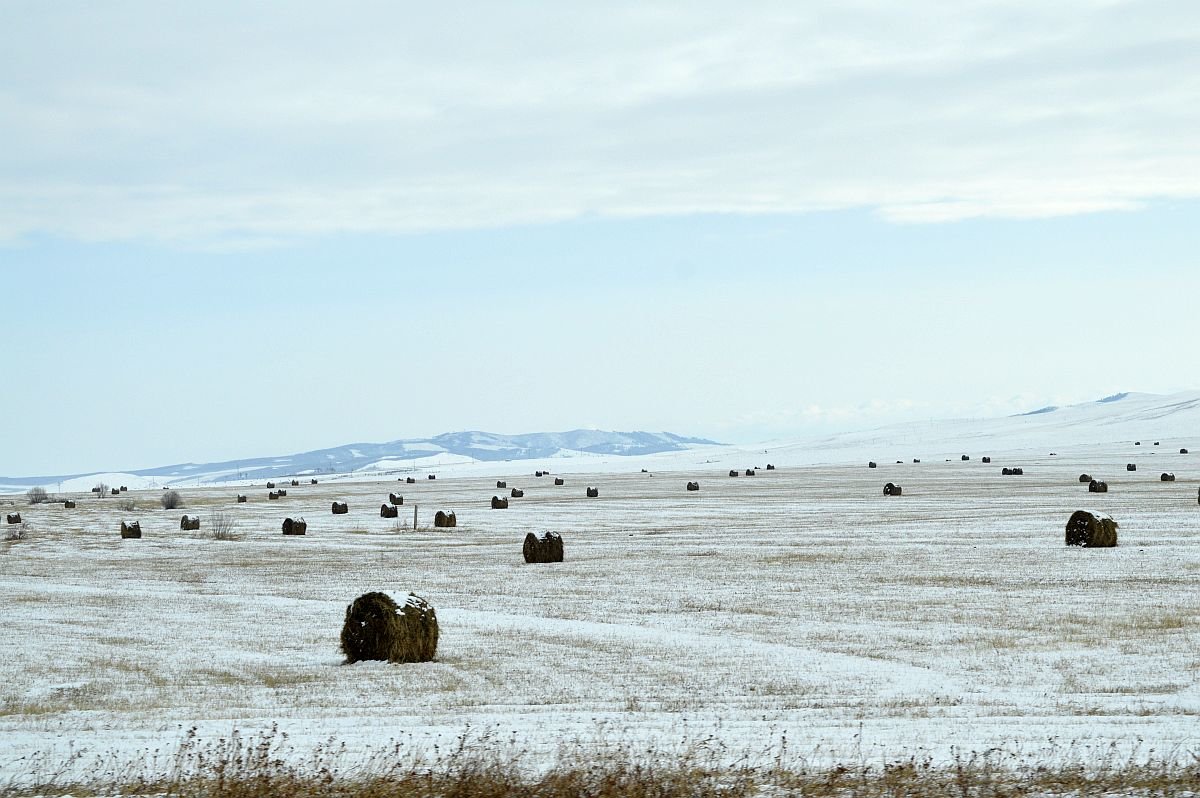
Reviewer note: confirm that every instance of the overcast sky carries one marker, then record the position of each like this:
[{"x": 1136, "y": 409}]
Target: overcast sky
[{"x": 230, "y": 230}]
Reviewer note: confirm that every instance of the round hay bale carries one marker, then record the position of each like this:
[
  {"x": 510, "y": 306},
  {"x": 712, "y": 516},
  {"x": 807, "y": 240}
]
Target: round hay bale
[
  {"x": 872, "y": 464},
  {"x": 1167, "y": 477},
  {"x": 295, "y": 483},
  {"x": 377, "y": 629},
  {"x": 593, "y": 493},
  {"x": 517, "y": 493},
  {"x": 916, "y": 459},
  {"x": 395, "y": 499},
  {"x": 1096, "y": 486},
  {"x": 312, "y": 482},
  {"x": 501, "y": 485},
  {"x": 1091, "y": 530},
  {"x": 444, "y": 520},
  {"x": 116, "y": 491},
  {"x": 499, "y": 504},
  {"x": 1183, "y": 451},
  {"x": 559, "y": 481},
  {"x": 733, "y": 473},
  {"x": 131, "y": 529},
  {"x": 123, "y": 489},
  {"x": 270, "y": 485},
  {"x": 296, "y": 526},
  {"x": 693, "y": 486},
  {"x": 340, "y": 508},
  {"x": 965, "y": 458},
  {"x": 13, "y": 518},
  {"x": 548, "y": 547},
  {"x": 891, "y": 489},
  {"x": 69, "y": 505},
  {"x": 537, "y": 473},
  {"x": 1137, "y": 443},
  {"x": 1006, "y": 471},
  {"x": 1131, "y": 466},
  {"x": 388, "y": 511},
  {"x": 189, "y": 523},
  {"x": 410, "y": 480},
  {"x": 987, "y": 460},
  {"x": 1085, "y": 478},
  {"x": 241, "y": 498},
  {"x": 432, "y": 476},
  {"x": 770, "y": 467},
  {"x": 282, "y": 493},
  {"x": 749, "y": 472},
  {"x": 273, "y": 495}
]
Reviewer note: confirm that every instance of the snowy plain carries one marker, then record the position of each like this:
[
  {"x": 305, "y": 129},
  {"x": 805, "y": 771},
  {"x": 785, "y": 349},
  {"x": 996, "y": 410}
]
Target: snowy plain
[{"x": 798, "y": 603}]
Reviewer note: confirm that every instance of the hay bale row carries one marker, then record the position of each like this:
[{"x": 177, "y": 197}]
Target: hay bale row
[
  {"x": 131, "y": 529},
  {"x": 548, "y": 547},
  {"x": 296, "y": 526},
  {"x": 444, "y": 520},
  {"x": 340, "y": 508},
  {"x": 1096, "y": 486},
  {"x": 395, "y": 499},
  {"x": 559, "y": 481},
  {"x": 189, "y": 523},
  {"x": 693, "y": 486},
  {"x": 1167, "y": 477},
  {"x": 388, "y": 511},
  {"x": 517, "y": 493},
  {"x": 376, "y": 628},
  {"x": 499, "y": 503},
  {"x": 891, "y": 489},
  {"x": 1012, "y": 472},
  {"x": 1091, "y": 530},
  {"x": 13, "y": 518},
  {"x": 593, "y": 493}
]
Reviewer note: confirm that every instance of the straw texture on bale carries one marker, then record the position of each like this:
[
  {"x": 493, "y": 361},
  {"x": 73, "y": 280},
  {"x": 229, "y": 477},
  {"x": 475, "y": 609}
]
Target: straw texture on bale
[
  {"x": 548, "y": 547},
  {"x": 593, "y": 493},
  {"x": 892, "y": 490},
  {"x": 376, "y": 628},
  {"x": 559, "y": 481},
  {"x": 13, "y": 518},
  {"x": 241, "y": 499},
  {"x": 189, "y": 523},
  {"x": 131, "y": 529},
  {"x": 1131, "y": 466},
  {"x": 444, "y": 520},
  {"x": 388, "y": 511},
  {"x": 499, "y": 504},
  {"x": 1085, "y": 478},
  {"x": 68, "y": 504},
  {"x": 340, "y": 508},
  {"x": 1167, "y": 477},
  {"x": 1091, "y": 530},
  {"x": 1096, "y": 486},
  {"x": 693, "y": 486},
  {"x": 501, "y": 485},
  {"x": 396, "y": 500},
  {"x": 296, "y": 526}
]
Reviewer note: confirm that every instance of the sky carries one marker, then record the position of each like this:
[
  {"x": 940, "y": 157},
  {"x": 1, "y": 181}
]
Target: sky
[{"x": 235, "y": 230}]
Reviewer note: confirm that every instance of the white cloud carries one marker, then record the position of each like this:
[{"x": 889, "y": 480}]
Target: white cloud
[{"x": 147, "y": 120}]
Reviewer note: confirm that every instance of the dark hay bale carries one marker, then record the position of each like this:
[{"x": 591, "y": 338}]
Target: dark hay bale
[
  {"x": 1018, "y": 472},
  {"x": 770, "y": 467},
  {"x": 69, "y": 505},
  {"x": 432, "y": 476},
  {"x": 984, "y": 460},
  {"x": 965, "y": 458},
  {"x": 1012, "y": 472},
  {"x": 410, "y": 481},
  {"x": 116, "y": 491},
  {"x": 559, "y": 481},
  {"x": 872, "y": 464},
  {"x": 499, "y": 504},
  {"x": 1156, "y": 443},
  {"x": 273, "y": 495},
  {"x": 1085, "y": 478},
  {"x": 517, "y": 493},
  {"x": 376, "y": 628},
  {"x": 916, "y": 459},
  {"x": 312, "y": 482},
  {"x": 241, "y": 498},
  {"x": 593, "y": 493},
  {"x": 189, "y": 523},
  {"x": 1091, "y": 530},
  {"x": 295, "y": 527},
  {"x": 644, "y": 471},
  {"x": 892, "y": 490},
  {"x": 131, "y": 529},
  {"x": 501, "y": 485},
  {"x": 123, "y": 489},
  {"x": 13, "y": 518},
  {"x": 899, "y": 462},
  {"x": 1167, "y": 478},
  {"x": 732, "y": 473},
  {"x": 443, "y": 520},
  {"x": 281, "y": 493},
  {"x": 270, "y": 485},
  {"x": 1131, "y": 466},
  {"x": 537, "y": 473},
  {"x": 1006, "y": 471},
  {"x": 396, "y": 500},
  {"x": 1183, "y": 451},
  {"x": 388, "y": 511},
  {"x": 295, "y": 483},
  {"x": 1096, "y": 486},
  {"x": 97, "y": 489},
  {"x": 693, "y": 486},
  {"x": 340, "y": 508},
  {"x": 749, "y": 472},
  {"x": 545, "y": 548},
  {"x": 1137, "y": 443}
]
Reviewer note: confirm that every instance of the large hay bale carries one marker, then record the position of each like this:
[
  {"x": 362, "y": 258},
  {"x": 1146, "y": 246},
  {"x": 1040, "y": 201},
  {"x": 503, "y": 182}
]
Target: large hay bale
[
  {"x": 395, "y": 499},
  {"x": 241, "y": 498},
  {"x": 1091, "y": 530},
  {"x": 131, "y": 529},
  {"x": 1167, "y": 477},
  {"x": 388, "y": 511},
  {"x": 69, "y": 505},
  {"x": 517, "y": 493},
  {"x": 593, "y": 493},
  {"x": 377, "y": 629},
  {"x": 693, "y": 486},
  {"x": 444, "y": 520},
  {"x": 1131, "y": 466},
  {"x": 548, "y": 547},
  {"x": 733, "y": 473},
  {"x": 189, "y": 523},
  {"x": 13, "y": 518},
  {"x": 872, "y": 464},
  {"x": 1085, "y": 478},
  {"x": 891, "y": 489},
  {"x": 499, "y": 504},
  {"x": 1096, "y": 486},
  {"x": 559, "y": 481},
  {"x": 501, "y": 484},
  {"x": 273, "y": 495},
  {"x": 296, "y": 526},
  {"x": 340, "y": 508}
]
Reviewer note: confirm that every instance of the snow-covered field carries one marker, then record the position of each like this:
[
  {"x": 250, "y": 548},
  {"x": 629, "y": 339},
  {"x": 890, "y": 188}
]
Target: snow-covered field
[{"x": 799, "y": 602}]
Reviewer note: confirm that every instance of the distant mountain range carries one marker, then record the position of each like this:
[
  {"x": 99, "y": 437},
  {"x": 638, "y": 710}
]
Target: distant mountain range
[{"x": 446, "y": 449}]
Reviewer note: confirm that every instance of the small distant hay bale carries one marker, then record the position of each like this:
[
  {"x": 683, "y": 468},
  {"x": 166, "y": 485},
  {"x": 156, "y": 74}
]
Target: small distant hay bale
[
  {"x": 312, "y": 482},
  {"x": 1156, "y": 443},
  {"x": 296, "y": 526},
  {"x": 69, "y": 505},
  {"x": 410, "y": 480},
  {"x": 131, "y": 529},
  {"x": 1013, "y": 472},
  {"x": 1131, "y": 466},
  {"x": 1006, "y": 471},
  {"x": 593, "y": 493},
  {"x": 340, "y": 508},
  {"x": 749, "y": 472},
  {"x": 501, "y": 484},
  {"x": 967, "y": 457},
  {"x": 96, "y": 489},
  {"x": 189, "y": 523},
  {"x": 499, "y": 504},
  {"x": 559, "y": 481},
  {"x": 517, "y": 493},
  {"x": 1091, "y": 530},
  {"x": 432, "y": 476},
  {"x": 1167, "y": 477},
  {"x": 270, "y": 485},
  {"x": 1183, "y": 451},
  {"x": 916, "y": 459},
  {"x": 281, "y": 493},
  {"x": 891, "y": 489},
  {"x": 13, "y": 518},
  {"x": 1137, "y": 443},
  {"x": 388, "y": 511},
  {"x": 547, "y": 547},
  {"x": 1096, "y": 486},
  {"x": 273, "y": 495},
  {"x": 1085, "y": 478},
  {"x": 116, "y": 491},
  {"x": 872, "y": 464},
  {"x": 376, "y": 628},
  {"x": 295, "y": 483},
  {"x": 539, "y": 473},
  {"x": 770, "y": 467},
  {"x": 987, "y": 460},
  {"x": 693, "y": 486},
  {"x": 123, "y": 489},
  {"x": 395, "y": 499},
  {"x": 733, "y": 472},
  {"x": 444, "y": 520},
  {"x": 241, "y": 498}
]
